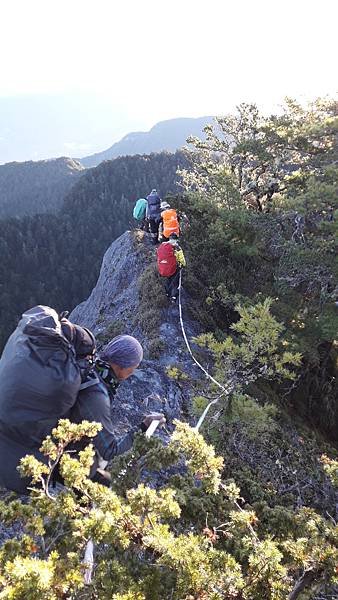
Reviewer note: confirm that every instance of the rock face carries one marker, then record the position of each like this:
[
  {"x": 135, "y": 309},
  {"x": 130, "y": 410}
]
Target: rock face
[{"x": 114, "y": 306}]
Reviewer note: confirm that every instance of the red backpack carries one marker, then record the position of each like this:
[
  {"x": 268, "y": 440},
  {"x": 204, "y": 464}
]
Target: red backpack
[{"x": 166, "y": 260}]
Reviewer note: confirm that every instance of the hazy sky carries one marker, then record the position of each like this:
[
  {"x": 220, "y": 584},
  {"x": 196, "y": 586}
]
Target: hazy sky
[{"x": 135, "y": 62}]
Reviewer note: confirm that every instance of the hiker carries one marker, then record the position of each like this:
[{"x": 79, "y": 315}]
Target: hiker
[
  {"x": 49, "y": 371},
  {"x": 115, "y": 364},
  {"x": 140, "y": 212},
  {"x": 169, "y": 222},
  {"x": 170, "y": 259},
  {"x": 154, "y": 214}
]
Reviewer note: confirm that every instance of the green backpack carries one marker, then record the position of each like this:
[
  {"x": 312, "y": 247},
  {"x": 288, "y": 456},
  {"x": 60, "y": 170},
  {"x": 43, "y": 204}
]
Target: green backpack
[{"x": 140, "y": 208}]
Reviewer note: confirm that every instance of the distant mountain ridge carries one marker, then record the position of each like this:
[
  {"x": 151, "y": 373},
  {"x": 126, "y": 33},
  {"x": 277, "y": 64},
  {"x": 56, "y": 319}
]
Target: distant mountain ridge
[
  {"x": 168, "y": 135},
  {"x": 31, "y": 187},
  {"x": 36, "y": 186}
]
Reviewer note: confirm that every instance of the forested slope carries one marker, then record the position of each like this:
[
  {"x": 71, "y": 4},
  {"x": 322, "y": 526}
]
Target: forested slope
[
  {"x": 55, "y": 259},
  {"x": 264, "y": 193},
  {"x": 32, "y": 187}
]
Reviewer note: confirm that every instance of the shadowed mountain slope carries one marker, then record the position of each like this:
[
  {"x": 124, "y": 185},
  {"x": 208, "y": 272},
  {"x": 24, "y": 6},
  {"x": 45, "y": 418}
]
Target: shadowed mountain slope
[
  {"x": 31, "y": 187},
  {"x": 167, "y": 135}
]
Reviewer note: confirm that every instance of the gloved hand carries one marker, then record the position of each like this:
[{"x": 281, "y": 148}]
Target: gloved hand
[{"x": 153, "y": 417}]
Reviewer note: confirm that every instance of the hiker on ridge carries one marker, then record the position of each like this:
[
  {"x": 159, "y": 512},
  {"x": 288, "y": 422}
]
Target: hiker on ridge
[
  {"x": 169, "y": 222},
  {"x": 154, "y": 214},
  {"x": 57, "y": 363},
  {"x": 117, "y": 362},
  {"x": 170, "y": 260},
  {"x": 140, "y": 213}
]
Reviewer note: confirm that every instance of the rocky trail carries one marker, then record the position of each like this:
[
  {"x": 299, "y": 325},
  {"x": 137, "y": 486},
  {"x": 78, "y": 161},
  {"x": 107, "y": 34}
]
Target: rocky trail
[{"x": 115, "y": 302}]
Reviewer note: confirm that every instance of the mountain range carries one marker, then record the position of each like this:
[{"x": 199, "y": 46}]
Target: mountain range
[
  {"x": 169, "y": 135},
  {"x": 31, "y": 187}
]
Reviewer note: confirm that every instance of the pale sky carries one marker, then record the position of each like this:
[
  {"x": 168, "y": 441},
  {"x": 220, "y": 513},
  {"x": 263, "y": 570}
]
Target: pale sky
[{"x": 150, "y": 60}]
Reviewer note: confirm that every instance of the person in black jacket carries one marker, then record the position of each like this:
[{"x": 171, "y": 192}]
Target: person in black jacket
[
  {"x": 116, "y": 363},
  {"x": 153, "y": 215}
]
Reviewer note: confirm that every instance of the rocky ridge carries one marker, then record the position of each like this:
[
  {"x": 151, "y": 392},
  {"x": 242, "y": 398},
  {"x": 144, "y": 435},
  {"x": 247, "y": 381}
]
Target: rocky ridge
[{"x": 114, "y": 306}]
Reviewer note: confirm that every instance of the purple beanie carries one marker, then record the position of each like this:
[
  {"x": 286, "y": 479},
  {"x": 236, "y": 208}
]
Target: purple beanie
[{"x": 124, "y": 351}]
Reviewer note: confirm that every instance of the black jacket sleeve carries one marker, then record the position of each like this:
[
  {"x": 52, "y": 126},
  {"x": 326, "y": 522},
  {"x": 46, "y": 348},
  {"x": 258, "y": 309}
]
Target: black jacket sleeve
[{"x": 93, "y": 404}]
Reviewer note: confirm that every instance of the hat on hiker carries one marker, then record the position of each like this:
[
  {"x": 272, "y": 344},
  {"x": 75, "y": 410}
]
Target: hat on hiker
[
  {"x": 164, "y": 205},
  {"x": 173, "y": 236},
  {"x": 124, "y": 351}
]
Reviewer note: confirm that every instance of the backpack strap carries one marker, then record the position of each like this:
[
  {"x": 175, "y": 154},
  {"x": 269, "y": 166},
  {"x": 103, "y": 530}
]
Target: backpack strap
[
  {"x": 81, "y": 338},
  {"x": 89, "y": 383},
  {"x": 68, "y": 330}
]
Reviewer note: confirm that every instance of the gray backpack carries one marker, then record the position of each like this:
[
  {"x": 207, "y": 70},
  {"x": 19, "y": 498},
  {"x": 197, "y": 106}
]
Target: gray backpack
[{"x": 42, "y": 368}]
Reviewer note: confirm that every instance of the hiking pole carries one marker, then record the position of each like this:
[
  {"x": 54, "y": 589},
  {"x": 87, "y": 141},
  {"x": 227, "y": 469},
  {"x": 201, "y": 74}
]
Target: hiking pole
[{"x": 152, "y": 428}]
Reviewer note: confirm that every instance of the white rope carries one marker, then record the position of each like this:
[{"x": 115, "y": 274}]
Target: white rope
[
  {"x": 187, "y": 342},
  {"x": 225, "y": 391},
  {"x": 204, "y": 413},
  {"x": 89, "y": 552},
  {"x": 88, "y": 559}
]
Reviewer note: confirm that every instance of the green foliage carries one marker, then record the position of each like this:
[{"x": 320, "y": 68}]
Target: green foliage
[
  {"x": 285, "y": 249},
  {"x": 148, "y": 549},
  {"x": 200, "y": 458},
  {"x": 331, "y": 468},
  {"x": 255, "y": 352},
  {"x": 259, "y": 421},
  {"x": 174, "y": 372},
  {"x": 247, "y": 158}
]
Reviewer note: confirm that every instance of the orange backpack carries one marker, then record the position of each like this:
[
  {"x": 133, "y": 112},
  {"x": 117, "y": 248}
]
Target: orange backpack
[{"x": 170, "y": 222}]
